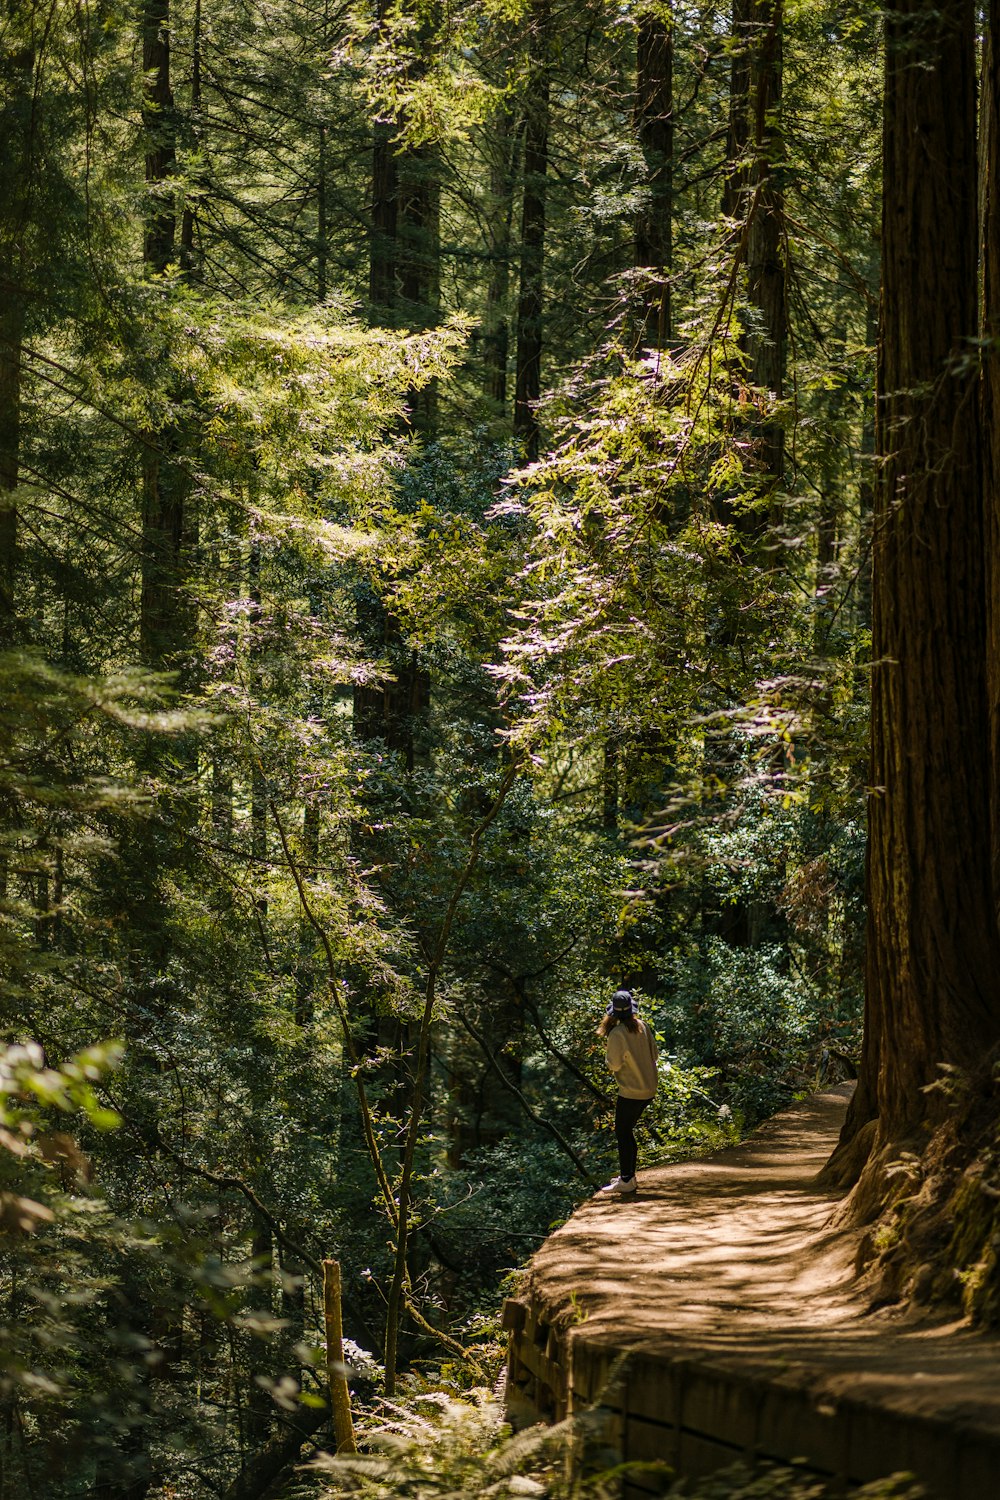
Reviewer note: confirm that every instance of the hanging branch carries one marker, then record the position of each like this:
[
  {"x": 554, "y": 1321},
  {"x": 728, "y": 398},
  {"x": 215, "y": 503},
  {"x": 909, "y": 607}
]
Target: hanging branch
[
  {"x": 356, "y": 1064},
  {"x": 519, "y": 982},
  {"x": 400, "y": 1275},
  {"x": 236, "y": 1184},
  {"x": 532, "y": 1114},
  {"x": 368, "y": 1124}
]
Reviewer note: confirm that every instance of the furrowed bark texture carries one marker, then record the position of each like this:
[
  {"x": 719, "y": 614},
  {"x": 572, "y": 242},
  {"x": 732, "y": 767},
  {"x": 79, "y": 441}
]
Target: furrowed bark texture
[{"x": 933, "y": 968}]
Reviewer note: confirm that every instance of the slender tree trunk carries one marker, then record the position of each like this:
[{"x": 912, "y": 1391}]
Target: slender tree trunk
[
  {"x": 160, "y": 129},
  {"x": 305, "y": 979},
  {"x": 933, "y": 966},
  {"x": 654, "y": 127},
  {"x": 391, "y": 711},
  {"x": 528, "y": 381},
  {"x": 397, "y": 1286},
  {"x": 766, "y": 277},
  {"x": 333, "y": 1324},
  {"x": 322, "y": 225},
  {"x": 188, "y": 219},
  {"x": 502, "y": 147},
  {"x": 12, "y": 313},
  {"x": 163, "y": 616},
  {"x": 163, "y": 626},
  {"x": 222, "y": 802},
  {"x": 260, "y": 1407},
  {"x": 990, "y": 252},
  {"x": 419, "y": 225},
  {"x": 383, "y": 246},
  {"x": 866, "y": 489},
  {"x": 382, "y": 251},
  {"x": 16, "y": 212},
  {"x": 738, "y": 130},
  {"x": 258, "y": 782}
]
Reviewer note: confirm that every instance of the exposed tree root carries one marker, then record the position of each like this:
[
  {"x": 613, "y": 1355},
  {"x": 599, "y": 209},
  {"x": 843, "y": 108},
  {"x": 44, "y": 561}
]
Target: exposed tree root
[{"x": 931, "y": 1204}]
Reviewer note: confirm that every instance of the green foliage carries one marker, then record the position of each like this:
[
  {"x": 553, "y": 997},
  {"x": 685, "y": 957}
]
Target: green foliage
[
  {"x": 363, "y": 610},
  {"x": 438, "y": 1448}
]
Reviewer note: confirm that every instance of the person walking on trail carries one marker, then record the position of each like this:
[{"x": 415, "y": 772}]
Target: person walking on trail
[{"x": 631, "y": 1054}]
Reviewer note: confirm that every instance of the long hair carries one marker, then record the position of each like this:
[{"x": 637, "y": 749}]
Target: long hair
[{"x": 627, "y": 1019}]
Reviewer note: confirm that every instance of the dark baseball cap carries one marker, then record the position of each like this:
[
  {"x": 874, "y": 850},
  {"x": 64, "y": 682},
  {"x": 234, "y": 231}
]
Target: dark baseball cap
[{"x": 622, "y": 1004}]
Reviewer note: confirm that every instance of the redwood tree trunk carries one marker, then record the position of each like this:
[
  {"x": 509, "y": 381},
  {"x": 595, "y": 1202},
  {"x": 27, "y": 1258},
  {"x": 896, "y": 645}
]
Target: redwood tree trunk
[{"x": 933, "y": 966}]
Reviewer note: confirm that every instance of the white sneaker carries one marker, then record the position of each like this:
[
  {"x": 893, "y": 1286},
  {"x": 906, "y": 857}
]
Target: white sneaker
[{"x": 620, "y": 1188}]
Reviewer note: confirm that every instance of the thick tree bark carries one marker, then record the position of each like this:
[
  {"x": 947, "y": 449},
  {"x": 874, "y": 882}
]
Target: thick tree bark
[
  {"x": 654, "y": 128},
  {"x": 933, "y": 965},
  {"x": 528, "y": 378},
  {"x": 405, "y": 252},
  {"x": 163, "y": 615},
  {"x": 752, "y": 194},
  {"x": 402, "y": 202}
]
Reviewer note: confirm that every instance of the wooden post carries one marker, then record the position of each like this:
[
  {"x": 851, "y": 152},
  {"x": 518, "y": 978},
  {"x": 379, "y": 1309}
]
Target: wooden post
[{"x": 340, "y": 1396}]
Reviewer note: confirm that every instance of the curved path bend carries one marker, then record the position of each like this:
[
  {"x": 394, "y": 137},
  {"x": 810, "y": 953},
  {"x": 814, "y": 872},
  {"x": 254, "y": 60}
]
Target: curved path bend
[{"x": 715, "y": 1316}]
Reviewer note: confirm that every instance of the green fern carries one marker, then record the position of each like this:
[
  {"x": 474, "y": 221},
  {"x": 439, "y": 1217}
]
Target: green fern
[{"x": 442, "y": 1448}]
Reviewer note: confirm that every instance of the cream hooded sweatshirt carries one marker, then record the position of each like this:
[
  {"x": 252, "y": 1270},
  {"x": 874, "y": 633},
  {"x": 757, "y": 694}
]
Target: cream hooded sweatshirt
[{"x": 632, "y": 1059}]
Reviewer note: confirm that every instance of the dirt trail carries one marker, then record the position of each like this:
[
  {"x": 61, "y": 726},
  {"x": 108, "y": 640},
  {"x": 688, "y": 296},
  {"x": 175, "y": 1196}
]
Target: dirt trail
[{"x": 734, "y": 1256}]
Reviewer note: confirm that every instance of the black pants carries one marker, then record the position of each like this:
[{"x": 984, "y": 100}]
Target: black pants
[{"x": 627, "y": 1112}]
